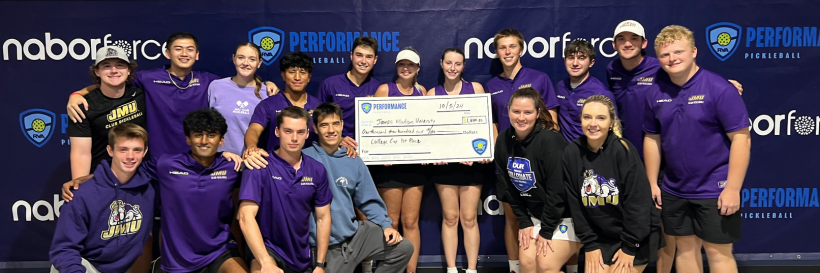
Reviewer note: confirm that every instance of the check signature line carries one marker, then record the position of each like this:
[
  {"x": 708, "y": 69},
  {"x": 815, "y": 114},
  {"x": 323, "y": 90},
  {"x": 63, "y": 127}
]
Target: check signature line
[
  {"x": 422, "y": 153},
  {"x": 416, "y": 135},
  {"x": 417, "y": 125}
]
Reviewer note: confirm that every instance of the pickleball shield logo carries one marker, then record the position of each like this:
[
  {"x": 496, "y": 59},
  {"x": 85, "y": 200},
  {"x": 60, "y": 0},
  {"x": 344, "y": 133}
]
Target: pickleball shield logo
[
  {"x": 270, "y": 41},
  {"x": 563, "y": 228},
  {"x": 366, "y": 107},
  {"x": 723, "y": 39},
  {"x": 37, "y": 126},
  {"x": 479, "y": 145}
]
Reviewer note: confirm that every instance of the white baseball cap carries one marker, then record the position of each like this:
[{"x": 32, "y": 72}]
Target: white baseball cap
[
  {"x": 630, "y": 26},
  {"x": 408, "y": 55},
  {"x": 111, "y": 52}
]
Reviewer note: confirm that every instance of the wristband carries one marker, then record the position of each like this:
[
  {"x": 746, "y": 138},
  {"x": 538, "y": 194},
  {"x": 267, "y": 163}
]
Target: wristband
[{"x": 75, "y": 93}]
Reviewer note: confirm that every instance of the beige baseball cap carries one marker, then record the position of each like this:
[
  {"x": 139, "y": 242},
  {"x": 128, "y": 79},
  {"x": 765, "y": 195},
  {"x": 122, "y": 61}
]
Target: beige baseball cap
[
  {"x": 630, "y": 26},
  {"x": 111, "y": 52}
]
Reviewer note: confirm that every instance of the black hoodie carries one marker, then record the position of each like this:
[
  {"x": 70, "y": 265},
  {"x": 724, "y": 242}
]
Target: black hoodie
[
  {"x": 608, "y": 194},
  {"x": 536, "y": 186}
]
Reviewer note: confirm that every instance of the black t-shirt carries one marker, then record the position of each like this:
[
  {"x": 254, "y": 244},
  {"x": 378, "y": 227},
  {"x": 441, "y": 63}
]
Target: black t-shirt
[{"x": 103, "y": 114}]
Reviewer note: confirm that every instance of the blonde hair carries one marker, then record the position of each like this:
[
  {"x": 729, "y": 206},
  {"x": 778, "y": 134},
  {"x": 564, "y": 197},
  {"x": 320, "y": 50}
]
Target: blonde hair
[
  {"x": 673, "y": 33},
  {"x": 128, "y": 131},
  {"x": 508, "y": 32},
  {"x": 616, "y": 122}
]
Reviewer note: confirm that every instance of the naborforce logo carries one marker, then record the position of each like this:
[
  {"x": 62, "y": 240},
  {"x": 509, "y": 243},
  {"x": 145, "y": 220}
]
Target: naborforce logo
[
  {"x": 723, "y": 39},
  {"x": 79, "y": 49},
  {"x": 37, "y": 125},
  {"x": 270, "y": 41},
  {"x": 537, "y": 47},
  {"x": 52, "y": 209},
  {"x": 802, "y": 125}
]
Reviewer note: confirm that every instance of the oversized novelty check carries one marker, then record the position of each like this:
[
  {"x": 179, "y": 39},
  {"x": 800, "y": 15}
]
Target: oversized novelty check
[{"x": 424, "y": 129}]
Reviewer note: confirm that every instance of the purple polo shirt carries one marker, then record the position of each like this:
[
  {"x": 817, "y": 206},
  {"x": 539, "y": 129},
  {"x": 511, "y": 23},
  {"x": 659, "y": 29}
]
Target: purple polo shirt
[
  {"x": 168, "y": 99},
  {"x": 197, "y": 210},
  {"x": 286, "y": 197},
  {"x": 502, "y": 88},
  {"x": 693, "y": 121},
  {"x": 630, "y": 88},
  {"x": 342, "y": 91},
  {"x": 571, "y": 102},
  {"x": 265, "y": 115}
]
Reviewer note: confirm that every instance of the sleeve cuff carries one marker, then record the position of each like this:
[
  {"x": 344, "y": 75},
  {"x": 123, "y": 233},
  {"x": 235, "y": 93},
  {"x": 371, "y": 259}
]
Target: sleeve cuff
[{"x": 629, "y": 248}]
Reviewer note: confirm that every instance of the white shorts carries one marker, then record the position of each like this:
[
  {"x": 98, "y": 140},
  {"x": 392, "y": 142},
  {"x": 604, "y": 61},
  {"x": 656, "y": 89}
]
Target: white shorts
[{"x": 564, "y": 231}]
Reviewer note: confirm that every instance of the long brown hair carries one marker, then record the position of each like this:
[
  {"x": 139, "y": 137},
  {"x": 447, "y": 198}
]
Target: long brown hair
[
  {"x": 259, "y": 59},
  {"x": 543, "y": 114},
  {"x": 616, "y": 122}
]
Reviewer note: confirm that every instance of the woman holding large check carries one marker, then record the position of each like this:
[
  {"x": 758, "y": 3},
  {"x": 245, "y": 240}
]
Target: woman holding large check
[
  {"x": 401, "y": 186},
  {"x": 462, "y": 180},
  {"x": 528, "y": 156}
]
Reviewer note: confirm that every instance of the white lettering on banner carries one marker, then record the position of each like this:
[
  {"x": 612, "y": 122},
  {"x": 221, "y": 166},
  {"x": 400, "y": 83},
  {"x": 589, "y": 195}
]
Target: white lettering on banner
[
  {"x": 54, "y": 48},
  {"x": 51, "y": 210},
  {"x": 548, "y": 46},
  {"x": 485, "y": 206},
  {"x": 803, "y": 125}
]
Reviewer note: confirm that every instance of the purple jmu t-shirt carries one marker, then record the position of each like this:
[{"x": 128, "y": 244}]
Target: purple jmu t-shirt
[
  {"x": 630, "y": 88},
  {"x": 342, "y": 91},
  {"x": 236, "y": 104},
  {"x": 572, "y": 101},
  {"x": 168, "y": 99},
  {"x": 265, "y": 115},
  {"x": 286, "y": 197},
  {"x": 466, "y": 89},
  {"x": 197, "y": 210},
  {"x": 693, "y": 121},
  {"x": 502, "y": 89}
]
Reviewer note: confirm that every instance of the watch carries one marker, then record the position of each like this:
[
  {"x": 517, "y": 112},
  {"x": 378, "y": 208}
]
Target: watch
[{"x": 320, "y": 264}]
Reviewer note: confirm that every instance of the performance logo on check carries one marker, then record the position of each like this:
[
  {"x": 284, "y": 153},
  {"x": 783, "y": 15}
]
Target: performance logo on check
[
  {"x": 480, "y": 145},
  {"x": 366, "y": 107}
]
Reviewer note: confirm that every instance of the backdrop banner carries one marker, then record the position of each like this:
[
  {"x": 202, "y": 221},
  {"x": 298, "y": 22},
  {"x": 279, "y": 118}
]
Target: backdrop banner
[{"x": 47, "y": 48}]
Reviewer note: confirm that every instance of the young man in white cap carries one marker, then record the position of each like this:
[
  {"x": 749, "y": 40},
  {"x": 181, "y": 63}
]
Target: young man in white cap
[
  {"x": 114, "y": 73},
  {"x": 630, "y": 77}
]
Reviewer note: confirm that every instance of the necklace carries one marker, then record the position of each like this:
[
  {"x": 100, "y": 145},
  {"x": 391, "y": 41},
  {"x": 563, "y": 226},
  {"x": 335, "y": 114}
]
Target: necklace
[{"x": 175, "y": 82}]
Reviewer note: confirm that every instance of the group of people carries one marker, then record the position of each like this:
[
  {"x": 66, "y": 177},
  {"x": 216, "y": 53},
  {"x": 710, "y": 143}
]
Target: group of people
[{"x": 577, "y": 165}]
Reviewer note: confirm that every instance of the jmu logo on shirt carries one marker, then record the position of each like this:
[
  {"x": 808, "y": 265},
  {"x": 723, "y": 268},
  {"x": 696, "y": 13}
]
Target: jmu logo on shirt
[
  {"x": 123, "y": 114},
  {"x": 696, "y": 99},
  {"x": 306, "y": 181},
  {"x": 521, "y": 174},
  {"x": 125, "y": 219},
  {"x": 524, "y": 86},
  {"x": 223, "y": 174},
  {"x": 598, "y": 191},
  {"x": 645, "y": 80},
  {"x": 580, "y": 102}
]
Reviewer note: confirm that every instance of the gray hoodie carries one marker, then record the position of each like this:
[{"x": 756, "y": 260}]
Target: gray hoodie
[{"x": 352, "y": 187}]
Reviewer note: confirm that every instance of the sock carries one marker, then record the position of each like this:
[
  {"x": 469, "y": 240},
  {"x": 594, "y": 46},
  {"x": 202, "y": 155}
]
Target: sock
[
  {"x": 514, "y": 266},
  {"x": 472, "y": 271},
  {"x": 572, "y": 268},
  {"x": 367, "y": 266},
  {"x": 452, "y": 270}
]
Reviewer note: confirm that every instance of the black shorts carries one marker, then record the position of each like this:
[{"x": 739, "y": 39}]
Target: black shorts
[
  {"x": 457, "y": 174},
  {"x": 699, "y": 217},
  {"x": 279, "y": 262},
  {"x": 214, "y": 266},
  {"x": 647, "y": 252},
  {"x": 400, "y": 176}
]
